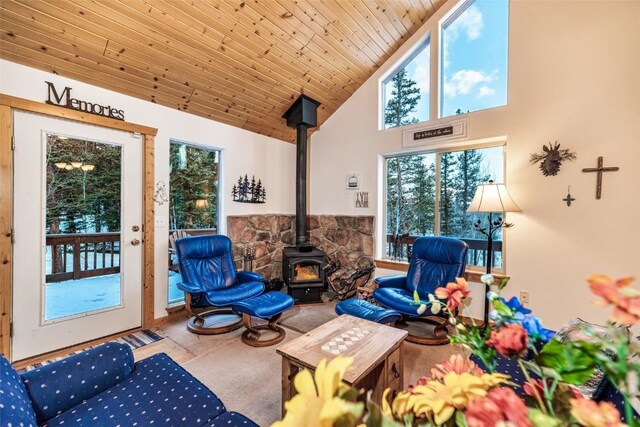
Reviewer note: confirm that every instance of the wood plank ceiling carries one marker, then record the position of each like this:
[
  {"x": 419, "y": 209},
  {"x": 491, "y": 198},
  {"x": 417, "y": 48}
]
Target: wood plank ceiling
[{"x": 240, "y": 62}]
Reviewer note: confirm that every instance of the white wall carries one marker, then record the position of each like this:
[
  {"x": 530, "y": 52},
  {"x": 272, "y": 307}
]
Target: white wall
[
  {"x": 243, "y": 152},
  {"x": 574, "y": 72}
]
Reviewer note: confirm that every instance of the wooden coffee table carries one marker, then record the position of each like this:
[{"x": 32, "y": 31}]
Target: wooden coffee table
[{"x": 376, "y": 349}]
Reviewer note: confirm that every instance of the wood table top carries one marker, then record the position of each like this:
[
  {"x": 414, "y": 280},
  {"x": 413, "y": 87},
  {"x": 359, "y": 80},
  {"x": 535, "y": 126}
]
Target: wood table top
[{"x": 367, "y": 342}]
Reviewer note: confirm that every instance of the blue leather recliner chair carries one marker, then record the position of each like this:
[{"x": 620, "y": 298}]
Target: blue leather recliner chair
[
  {"x": 435, "y": 262},
  {"x": 209, "y": 279}
]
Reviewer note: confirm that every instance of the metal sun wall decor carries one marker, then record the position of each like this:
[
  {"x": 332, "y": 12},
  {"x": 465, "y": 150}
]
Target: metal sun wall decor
[
  {"x": 160, "y": 197},
  {"x": 552, "y": 158},
  {"x": 248, "y": 192}
]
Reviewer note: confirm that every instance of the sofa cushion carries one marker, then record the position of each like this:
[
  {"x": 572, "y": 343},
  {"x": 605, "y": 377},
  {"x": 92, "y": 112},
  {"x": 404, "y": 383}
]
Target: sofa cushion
[
  {"x": 15, "y": 407},
  {"x": 231, "y": 419},
  {"x": 59, "y": 386},
  {"x": 159, "y": 392}
]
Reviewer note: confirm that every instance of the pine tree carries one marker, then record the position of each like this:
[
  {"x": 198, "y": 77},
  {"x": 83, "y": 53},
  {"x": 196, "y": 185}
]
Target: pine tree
[
  {"x": 405, "y": 95},
  {"x": 468, "y": 175},
  {"x": 447, "y": 194}
]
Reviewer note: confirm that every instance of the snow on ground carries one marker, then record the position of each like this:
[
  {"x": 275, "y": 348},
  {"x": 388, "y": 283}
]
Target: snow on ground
[{"x": 93, "y": 293}]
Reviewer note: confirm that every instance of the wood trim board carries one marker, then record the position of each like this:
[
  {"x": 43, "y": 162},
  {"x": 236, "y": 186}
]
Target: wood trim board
[
  {"x": 7, "y": 105},
  {"x": 6, "y": 223}
]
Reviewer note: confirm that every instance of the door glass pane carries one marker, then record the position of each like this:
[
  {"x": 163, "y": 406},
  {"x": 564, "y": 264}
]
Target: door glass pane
[
  {"x": 82, "y": 227},
  {"x": 193, "y": 202}
]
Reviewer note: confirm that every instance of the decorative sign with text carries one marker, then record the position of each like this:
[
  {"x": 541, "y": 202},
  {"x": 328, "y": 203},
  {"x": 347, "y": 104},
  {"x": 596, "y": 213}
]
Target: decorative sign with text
[
  {"x": 432, "y": 133},
  {"x": 435, "y": 134},
  {"x": 65, "y": 100}
]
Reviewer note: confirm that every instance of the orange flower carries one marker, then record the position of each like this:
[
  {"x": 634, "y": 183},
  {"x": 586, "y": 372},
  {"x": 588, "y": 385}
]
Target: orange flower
[
  {"x": 510, "y": 340},
  {"x": 589, "y": 413},
  {"x": 454, "y": 293},
  {"x": 501, "y": 407},
  {"x": 457, "y": 364},
  {"x": 618, "y": 293}
]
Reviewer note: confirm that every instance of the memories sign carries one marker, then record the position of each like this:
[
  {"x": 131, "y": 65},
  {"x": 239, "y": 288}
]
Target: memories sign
[
  {"x": 65, "y": 100},
  {"x": 436, "y": 134}
]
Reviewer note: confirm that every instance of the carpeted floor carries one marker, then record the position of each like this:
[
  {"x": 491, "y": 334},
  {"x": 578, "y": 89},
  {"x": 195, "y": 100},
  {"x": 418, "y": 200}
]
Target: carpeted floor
[{"x": 248, "y": 379}]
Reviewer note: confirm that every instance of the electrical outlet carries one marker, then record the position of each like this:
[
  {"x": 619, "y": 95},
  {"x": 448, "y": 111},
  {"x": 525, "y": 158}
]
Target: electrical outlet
[
  {"x": 524, "y": 297},
  {"x": 161, "y": 221}
]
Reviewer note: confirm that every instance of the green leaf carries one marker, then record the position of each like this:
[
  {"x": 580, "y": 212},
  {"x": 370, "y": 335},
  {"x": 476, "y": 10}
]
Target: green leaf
[
  {"x": 416, "y": 297},
  {"x": 502, "y": 308},
  {"x": 540, "y": 419},
  {"x": 573, "y": 362},
  {"x": 503, "y": 283}
]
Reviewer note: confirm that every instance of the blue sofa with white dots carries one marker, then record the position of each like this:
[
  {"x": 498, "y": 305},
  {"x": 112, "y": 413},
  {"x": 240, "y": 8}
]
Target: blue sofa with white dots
[{"x": 103, "y": 386}]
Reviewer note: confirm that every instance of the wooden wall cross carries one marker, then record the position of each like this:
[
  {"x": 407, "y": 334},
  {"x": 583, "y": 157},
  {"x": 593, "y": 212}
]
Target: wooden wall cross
[{"x": 599, "y": 170}]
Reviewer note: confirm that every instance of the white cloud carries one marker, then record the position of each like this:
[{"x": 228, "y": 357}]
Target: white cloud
[
  {"x": 471, "y": 22},
  {"x": 464, "y": 81},
  {"x": 485, "y": 91}
]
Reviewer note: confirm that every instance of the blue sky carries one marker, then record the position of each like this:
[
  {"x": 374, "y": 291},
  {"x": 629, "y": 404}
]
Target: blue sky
[{"x": 473, "y": 61}]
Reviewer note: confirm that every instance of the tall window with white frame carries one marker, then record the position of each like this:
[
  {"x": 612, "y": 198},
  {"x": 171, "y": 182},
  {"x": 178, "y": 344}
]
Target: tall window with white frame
[
  {"x": 473, "y": 57},
  {"x": 428, "y": 195},
  {"x": 193, "y": 201},
  {"x": 405, "y": 92}
]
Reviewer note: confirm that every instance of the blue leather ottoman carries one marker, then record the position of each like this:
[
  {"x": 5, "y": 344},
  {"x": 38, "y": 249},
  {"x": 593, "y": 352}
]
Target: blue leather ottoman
[
  {"x": 268, "y": 306},
  {"x": 365, "y": 310}
]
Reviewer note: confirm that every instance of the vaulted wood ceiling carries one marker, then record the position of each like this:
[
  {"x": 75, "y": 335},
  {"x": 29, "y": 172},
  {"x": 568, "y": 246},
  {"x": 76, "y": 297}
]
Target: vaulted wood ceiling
[{"x": 234, "y": 61}]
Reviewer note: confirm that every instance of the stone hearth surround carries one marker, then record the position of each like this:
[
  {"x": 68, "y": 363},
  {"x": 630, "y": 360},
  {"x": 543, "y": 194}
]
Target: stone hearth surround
[{"x": 348, "y": 239}]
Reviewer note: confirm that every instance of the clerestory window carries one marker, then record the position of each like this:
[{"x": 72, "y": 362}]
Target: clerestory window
[
  {"x": 473, "y": 57},
  {"x": 406, "y": 90}
]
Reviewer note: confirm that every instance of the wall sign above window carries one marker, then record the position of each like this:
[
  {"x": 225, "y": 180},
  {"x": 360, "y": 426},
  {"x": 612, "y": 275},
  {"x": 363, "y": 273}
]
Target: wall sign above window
[
  {"x": 65, "y": 100},
  {"x": 427, "y": 135}
]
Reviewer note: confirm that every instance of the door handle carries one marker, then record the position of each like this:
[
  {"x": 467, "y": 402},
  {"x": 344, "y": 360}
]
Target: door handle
[
  {"x": 135, "y": 242},
  {"x": 135, "y": 228}
]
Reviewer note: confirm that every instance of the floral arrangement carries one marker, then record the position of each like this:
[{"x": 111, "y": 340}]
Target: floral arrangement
[{"x": 459, "y": 393}]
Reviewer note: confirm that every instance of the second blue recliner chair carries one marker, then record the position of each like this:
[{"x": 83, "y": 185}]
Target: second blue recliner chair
[
  {"x": 209, "y": 279},
  {"x": 435, "y": 261}
]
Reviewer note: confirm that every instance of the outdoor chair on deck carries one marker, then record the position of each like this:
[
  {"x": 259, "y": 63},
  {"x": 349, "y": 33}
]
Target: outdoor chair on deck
[
  {"x": 209, "y": 279},
  {"x": 435, "y": 262}
]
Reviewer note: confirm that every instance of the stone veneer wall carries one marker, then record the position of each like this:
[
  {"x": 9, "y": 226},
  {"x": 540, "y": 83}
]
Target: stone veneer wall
[{"x": 348, "y": 239}]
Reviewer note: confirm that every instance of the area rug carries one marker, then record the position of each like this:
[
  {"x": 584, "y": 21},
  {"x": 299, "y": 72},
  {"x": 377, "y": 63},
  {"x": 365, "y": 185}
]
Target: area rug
[{"x": 134, "y": 340}]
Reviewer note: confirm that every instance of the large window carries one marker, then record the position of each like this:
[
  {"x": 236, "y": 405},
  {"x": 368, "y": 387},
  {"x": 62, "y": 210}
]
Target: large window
[
  {"x": 193, "y": 200},
  {"x": 474, "y": 57},
  {"x": 428, "y": 194},
  {"x": 406, "y": 90}
]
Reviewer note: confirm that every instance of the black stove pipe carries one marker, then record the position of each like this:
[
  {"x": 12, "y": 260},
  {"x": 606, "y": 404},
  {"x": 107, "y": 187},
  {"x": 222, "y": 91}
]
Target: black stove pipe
[
  {"x": 302, "y": 115},
  {"x": 301, "y": 185}
]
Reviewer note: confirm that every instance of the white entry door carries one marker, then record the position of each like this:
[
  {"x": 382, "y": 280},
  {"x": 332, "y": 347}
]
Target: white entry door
[{"x": 77, "y": 271}]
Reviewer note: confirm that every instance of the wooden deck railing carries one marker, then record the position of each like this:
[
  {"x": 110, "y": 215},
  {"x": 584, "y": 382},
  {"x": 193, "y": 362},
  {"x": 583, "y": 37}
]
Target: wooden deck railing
[
  {"x": 400, "y": 249},
  {"x": 91, "y": 254}
]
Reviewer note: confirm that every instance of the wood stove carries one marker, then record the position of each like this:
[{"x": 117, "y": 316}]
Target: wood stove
[
  {"x": 303, "y": 266},
  {"x": 304, "y": 273}
]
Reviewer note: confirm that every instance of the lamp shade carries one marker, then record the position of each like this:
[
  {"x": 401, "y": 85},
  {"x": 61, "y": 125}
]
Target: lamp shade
[
  {"x": 202, "y": 204},
  {"x": 492, "y": 197}
]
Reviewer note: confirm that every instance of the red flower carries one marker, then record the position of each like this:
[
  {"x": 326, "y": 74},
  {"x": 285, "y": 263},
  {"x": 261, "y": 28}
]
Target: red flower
[
  {"x": 510, "y": 340},
  {"x": 501, "y": 406},
  {"x": 618, "y": 293},
  {"x": 454, "y": 293}
]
